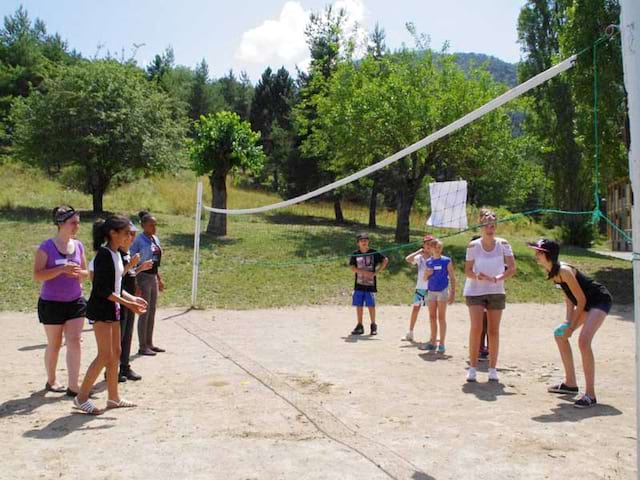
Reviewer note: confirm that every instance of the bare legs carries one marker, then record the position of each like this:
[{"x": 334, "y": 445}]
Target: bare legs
[
  {"x": 476, "y": 313},
  {"x": 591, "y": 321},
  {"x": 72, "y": 330},
  {"x": 108, "y": 340}
]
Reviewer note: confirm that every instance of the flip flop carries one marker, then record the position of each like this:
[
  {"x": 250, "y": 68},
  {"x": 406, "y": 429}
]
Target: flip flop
[{"x": 50, "y": 388}]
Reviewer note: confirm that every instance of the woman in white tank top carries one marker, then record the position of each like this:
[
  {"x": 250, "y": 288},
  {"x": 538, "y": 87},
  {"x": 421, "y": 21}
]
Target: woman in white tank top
[{"x": 485, "y": 274}]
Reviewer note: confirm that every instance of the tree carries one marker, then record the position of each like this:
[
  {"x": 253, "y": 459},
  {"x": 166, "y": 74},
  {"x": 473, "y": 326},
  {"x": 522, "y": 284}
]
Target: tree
[
  {"x": 271, "y": 110},
  {"x": 326, "y": 41},
  {"x": 223, "y": 143},
  {"x": 237, "y": 93},
  {"x": 200, "y": 102},
  {"x": 377, "y": 107},
  {"x": 28, "y": 56},
  {"x": 103, "y": 118},
  {"x": 552, "y": 29}
]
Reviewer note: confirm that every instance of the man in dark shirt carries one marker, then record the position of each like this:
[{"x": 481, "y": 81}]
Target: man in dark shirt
[{"x": 364, "y": 264}]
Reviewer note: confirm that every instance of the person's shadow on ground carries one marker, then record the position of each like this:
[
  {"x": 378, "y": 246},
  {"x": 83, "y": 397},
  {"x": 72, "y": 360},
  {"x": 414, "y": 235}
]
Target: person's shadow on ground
[
  {"x": 488, "y": 392},
  {"x": 566, "y": 412},
  {"x": 434, "y": 357},
  {"x": 26, "y": 405},
  {"x": 359, "y": 338},
  {"x": 62, "y": 427},
  {"x": 421, "y": 476},
  {"x": 29, "y": 348}
]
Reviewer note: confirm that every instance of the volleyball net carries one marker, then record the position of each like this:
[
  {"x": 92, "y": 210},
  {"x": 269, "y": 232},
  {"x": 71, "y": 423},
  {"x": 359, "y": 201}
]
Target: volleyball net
[{"x": 314, "y": 228}]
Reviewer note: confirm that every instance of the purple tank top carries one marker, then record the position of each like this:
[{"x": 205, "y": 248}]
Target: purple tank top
[{"x": 62, "y": 288}]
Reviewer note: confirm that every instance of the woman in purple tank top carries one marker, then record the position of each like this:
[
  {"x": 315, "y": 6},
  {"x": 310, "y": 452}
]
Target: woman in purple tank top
[{"x": 61, "y": 266}]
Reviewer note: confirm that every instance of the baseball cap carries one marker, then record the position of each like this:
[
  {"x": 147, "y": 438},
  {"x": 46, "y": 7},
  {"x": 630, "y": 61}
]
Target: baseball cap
[
  {"x": 362, "y": 236},
  {"x": 132, "y": 227},
  {"x": 546, "y": 245}
]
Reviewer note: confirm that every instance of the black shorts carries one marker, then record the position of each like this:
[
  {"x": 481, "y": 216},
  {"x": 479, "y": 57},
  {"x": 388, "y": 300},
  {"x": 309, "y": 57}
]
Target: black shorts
[{"x": 51, "y": 312}]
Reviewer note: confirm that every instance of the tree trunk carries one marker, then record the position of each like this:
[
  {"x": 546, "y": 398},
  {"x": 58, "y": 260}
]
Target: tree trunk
[
  {"x": 218, "y": 221},
  {"x": 337, "y": 208},
  {"x": 406, "y": 197},
  {"x": 97, "y": 197},
  {"x": 373, "y": 200}
]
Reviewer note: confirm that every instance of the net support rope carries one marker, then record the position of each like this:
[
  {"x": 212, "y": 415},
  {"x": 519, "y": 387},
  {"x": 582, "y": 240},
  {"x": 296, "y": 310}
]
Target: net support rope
[{"x": 443, "y": 132}]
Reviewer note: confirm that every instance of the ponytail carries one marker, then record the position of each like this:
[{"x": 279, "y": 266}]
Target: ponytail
[
  {"x": 144, "y": 216},
  {"x": 98, "y": 234}
]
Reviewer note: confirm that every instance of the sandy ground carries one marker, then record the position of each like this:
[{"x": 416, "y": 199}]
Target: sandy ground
[{"x": 287, "y": 394}]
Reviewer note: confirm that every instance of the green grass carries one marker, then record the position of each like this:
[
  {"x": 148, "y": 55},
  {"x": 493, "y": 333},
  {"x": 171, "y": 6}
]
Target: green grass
[{"x": 291, "y": 257}]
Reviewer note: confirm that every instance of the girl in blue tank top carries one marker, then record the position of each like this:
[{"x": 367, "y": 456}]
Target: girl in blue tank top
[{"x": 441, "y": 291}]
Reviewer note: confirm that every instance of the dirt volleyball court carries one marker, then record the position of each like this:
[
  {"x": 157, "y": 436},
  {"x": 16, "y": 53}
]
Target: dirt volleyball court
[{"x": 287, "y": 394}]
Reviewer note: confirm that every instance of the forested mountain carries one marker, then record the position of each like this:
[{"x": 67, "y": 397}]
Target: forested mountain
[{"x": 501, "y": 71}]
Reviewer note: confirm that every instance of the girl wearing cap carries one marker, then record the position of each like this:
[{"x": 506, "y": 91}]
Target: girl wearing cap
[
  {"x": 484, "y": 289},
  {"x": 61, "y": 266},
  {"x": 588, "y": 303}
]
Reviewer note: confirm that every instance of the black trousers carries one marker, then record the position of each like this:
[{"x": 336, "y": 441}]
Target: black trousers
[{"x": 127, "y": 318}]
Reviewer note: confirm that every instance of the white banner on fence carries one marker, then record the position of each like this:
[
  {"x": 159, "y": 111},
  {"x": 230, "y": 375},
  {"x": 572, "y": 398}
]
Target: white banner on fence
[{"x": 448, "y": 204}]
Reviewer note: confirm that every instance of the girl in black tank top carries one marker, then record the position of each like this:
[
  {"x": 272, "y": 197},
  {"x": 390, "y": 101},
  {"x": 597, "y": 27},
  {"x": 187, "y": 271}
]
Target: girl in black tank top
[
  {"x": 588, "y": 303},
  {"x": 595, "y": 293}
]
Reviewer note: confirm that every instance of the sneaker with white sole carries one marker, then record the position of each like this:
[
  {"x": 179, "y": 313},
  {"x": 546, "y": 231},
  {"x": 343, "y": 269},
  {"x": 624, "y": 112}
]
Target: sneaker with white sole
[
  {"x": 427, "y": 346},
  {"x": 408, "y": 337},
  {"x": 585, "y": 402},
  {"x": 471, "y": 375},
  {"x": 493, "y": 375}
]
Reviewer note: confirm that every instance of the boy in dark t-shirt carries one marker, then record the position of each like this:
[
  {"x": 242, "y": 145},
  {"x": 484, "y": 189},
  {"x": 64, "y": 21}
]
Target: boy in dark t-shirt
[{"x": 364, "y": 263}]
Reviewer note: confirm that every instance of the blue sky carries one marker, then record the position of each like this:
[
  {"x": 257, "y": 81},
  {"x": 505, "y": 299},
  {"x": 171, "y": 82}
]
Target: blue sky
[{"x": 252, "y": 35}]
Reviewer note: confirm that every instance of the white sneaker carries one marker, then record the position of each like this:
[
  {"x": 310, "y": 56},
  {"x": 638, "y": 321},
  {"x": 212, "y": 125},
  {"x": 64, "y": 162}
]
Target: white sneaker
[
  {"x": 408, "y": 337},
  {"x": 471, "y": 374},
  {"x": 493, "y": 375}
]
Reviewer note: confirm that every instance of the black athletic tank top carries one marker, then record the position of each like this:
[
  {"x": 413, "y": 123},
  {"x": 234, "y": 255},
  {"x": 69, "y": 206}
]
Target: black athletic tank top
[{"x": 595, "y": 292}]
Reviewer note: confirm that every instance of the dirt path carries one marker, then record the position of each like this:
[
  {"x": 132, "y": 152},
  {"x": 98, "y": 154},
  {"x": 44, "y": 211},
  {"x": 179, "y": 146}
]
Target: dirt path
[{"x": 287, "y": 394}]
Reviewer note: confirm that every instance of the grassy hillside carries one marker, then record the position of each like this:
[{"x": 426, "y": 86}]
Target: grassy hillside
[{"x": 291, "y": 257}]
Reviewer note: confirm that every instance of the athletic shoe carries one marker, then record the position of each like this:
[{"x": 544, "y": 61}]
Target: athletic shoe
[
  {"x": 374, "y": 329},
  {"x": 441, "y": 349},
  {"x": 359, "y": 330},
  {"x": 493, "y": 375},
  {"x": 408, "y": 337},
  {"x": 562, "y": 388},
  {"x": 585, "y": 402},
  {"x": 427, "y": 346},
  {"x": 471, "y": 375}
]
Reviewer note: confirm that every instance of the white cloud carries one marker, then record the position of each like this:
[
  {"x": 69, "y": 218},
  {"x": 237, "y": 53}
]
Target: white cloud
[{"x": 282, "y": 41}]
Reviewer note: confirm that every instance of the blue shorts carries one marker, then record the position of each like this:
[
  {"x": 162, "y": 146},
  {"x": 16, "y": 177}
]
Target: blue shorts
[{"x": 360, "y": 298}]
